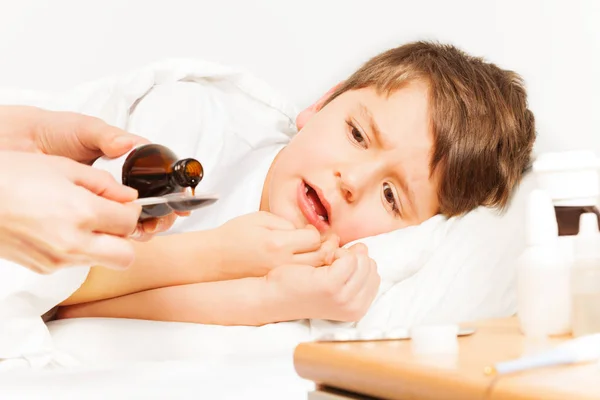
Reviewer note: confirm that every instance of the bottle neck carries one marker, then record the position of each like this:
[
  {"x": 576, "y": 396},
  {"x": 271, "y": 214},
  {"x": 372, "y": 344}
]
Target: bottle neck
[{"x": 187, "y": 172}]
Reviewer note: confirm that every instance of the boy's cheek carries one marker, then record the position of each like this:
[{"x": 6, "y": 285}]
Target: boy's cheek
[
  {"x": 288, "y": 211},
  {"x": 353, "y": 229}
]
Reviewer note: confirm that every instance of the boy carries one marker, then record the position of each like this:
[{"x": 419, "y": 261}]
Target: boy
[{"x": 418, "y": 130}]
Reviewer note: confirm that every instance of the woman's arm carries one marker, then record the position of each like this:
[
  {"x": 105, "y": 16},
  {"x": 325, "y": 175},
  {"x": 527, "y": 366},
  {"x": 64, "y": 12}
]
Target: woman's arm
[{"x": 247, "y": 246}]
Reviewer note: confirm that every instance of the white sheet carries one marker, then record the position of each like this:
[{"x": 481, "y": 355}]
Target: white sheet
[
  {"x": 448, "y": 270},
  {"x": 25, "y": 295},
  {"x": 226, "y": 100},
  {"x": 223, "y": 378}
]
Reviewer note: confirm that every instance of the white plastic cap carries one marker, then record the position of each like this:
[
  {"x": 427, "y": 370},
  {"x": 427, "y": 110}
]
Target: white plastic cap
[
  {"x": 542, "y": 227},
  {"x": 434, "y": 339},
  {"x": 570, "y": 178}
]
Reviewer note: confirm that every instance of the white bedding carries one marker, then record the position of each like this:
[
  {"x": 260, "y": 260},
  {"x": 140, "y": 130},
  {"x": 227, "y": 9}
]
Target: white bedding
[
  {"x": 223, "y": 378},
  {"x": 449, "y": 270}
]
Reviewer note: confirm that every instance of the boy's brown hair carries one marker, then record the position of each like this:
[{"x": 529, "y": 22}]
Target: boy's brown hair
[{"x": 483, "y": 131}]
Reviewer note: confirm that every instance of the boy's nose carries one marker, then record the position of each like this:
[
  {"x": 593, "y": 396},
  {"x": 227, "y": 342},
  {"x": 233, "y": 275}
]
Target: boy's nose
[{"x": 352, "y": 181}]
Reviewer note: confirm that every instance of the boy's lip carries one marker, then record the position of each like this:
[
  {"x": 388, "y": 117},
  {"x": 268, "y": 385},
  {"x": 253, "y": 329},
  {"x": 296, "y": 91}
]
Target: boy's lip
[{"x": 308, "y": 211}]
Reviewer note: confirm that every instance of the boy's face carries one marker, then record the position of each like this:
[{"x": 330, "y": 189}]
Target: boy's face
[{"x": 359, "y": 167}]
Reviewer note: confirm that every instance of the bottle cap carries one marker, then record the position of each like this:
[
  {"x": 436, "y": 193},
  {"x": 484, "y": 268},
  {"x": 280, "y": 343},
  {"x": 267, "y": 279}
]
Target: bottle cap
[
  {"x": 541, "y": 224},
  {"x": 434, "y": 339}
]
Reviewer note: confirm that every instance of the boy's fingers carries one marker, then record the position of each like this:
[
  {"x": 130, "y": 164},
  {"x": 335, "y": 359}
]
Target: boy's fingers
[
  {"x": 368, "y": 293},
  {"x": 314, "y": 259},
  {"x": 359, "y": 248},
  {"x": 341, "y": 252},
  {"x": 328, "y": 250},
  {"x": 273, "y": 222},
  {"x": 323, "y": 256},
  {"x": 301, "y": 240},
  {"x": 341, "y": 270},
  {"x": 360, "y": 277},
  {"x": 331, "y": 238}
]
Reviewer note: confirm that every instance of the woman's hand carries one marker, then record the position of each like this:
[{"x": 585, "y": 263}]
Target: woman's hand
[
  {"x": 57, "y": 213},
  {"x": 76, "y": 136}
]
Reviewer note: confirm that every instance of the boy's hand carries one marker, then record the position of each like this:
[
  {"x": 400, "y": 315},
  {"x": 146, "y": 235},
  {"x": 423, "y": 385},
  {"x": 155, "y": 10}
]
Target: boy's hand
[
  {"x": 254, "y": 244},
  {"x": 342, "y": 291}
]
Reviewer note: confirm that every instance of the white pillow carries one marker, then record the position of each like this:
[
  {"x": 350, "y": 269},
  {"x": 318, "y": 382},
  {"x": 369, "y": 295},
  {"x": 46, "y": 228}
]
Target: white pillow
[{"x": 469, "y": 274}]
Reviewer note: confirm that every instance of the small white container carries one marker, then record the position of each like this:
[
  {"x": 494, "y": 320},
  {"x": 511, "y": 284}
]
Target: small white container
[
  {"x": 585, "y": 278},
  {"x": 543, "y": 273}
]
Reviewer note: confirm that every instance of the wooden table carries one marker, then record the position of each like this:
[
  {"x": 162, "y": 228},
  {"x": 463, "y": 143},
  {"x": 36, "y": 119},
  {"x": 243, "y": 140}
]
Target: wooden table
[{"x": 391, "y": 370}]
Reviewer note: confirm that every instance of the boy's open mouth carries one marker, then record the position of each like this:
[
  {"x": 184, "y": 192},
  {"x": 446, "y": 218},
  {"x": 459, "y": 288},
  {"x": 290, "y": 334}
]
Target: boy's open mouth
[
  {"x": 314, "y": 206},
  {"x": 316, "y": 203}
]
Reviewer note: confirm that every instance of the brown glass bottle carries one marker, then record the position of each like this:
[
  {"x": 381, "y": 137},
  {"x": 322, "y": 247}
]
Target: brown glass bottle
[{"x": 154, "y": 170}]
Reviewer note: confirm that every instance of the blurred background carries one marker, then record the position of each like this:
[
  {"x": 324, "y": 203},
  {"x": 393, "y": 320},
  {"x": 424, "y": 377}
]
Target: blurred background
[{"x": 302, "y": 47}]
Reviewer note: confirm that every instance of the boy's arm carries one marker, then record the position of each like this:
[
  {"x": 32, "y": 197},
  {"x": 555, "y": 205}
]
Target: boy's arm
[
  {"x": 247, "y": 246},
  {"x": 248, "y": 301},
  {"x": 163, "y": 261},
  {"x": 342, "y": 291}
]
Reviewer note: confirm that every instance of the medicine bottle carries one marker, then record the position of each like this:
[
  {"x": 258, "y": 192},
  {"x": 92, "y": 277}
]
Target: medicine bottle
[{"x": 154, "y": 170}]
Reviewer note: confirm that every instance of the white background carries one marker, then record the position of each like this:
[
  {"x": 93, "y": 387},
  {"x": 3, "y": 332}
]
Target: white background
[{"x": 303, "y": 47}]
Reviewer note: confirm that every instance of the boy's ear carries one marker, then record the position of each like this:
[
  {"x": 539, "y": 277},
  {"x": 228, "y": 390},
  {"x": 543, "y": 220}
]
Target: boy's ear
[{"x": 308, "y": 113}]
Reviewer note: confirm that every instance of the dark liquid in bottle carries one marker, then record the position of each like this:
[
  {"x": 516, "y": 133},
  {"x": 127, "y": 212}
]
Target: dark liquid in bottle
[
  {"x": 568, "y": 218},
  {"x": 148, "y": 169},
  {"x": 154, "y": 170}
]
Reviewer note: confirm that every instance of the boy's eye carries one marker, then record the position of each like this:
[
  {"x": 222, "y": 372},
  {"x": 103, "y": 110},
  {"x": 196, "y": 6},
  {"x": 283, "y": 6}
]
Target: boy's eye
[
  {"x": 388, "y": 193},
  {"x": 357, "y": 136}
]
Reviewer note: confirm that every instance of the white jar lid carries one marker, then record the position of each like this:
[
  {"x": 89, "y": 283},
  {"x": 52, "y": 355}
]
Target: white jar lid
[
  {"x": 566, "y": 161},
  {"x": 570, "y": 178},
  {"x": 434, "y": 339}
]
